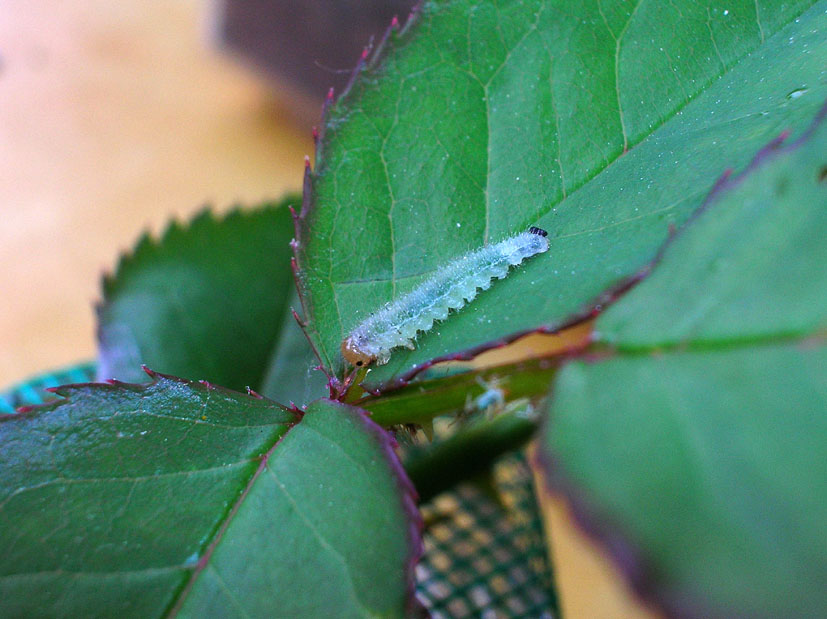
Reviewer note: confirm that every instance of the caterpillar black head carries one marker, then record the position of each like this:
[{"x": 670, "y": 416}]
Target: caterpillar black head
[{"x": 536, "y": 230}]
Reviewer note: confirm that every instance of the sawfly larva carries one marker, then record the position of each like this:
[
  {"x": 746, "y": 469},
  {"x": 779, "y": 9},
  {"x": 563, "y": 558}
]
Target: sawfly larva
[{"x": 451, "y": 287}]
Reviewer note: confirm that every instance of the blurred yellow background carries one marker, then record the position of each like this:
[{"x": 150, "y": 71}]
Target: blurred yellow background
[{"x": 116, "y": 116}]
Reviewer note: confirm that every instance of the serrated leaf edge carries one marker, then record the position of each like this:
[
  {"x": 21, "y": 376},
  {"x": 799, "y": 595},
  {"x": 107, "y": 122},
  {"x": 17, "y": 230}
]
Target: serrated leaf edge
[
  {"x": 147, "y": 242},
  {"x": 66, "y": 392}
]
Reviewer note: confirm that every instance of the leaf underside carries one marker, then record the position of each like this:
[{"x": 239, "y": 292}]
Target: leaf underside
[{"x": 603, "y": 126}]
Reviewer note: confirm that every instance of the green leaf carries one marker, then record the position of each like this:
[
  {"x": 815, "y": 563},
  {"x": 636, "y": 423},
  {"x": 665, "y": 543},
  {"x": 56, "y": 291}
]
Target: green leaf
[
  {"x": 109, "y": 498},
  {"x": 292, "y": 373},
  {"x": 132, "y": 500},
  {"x": 696, "y": 451},
  {"x": 326, "y": 530},
  {"x": 752, "y": 270},
  {"x": 603, "y": 123},
  {"x": 206, "y": 301}
]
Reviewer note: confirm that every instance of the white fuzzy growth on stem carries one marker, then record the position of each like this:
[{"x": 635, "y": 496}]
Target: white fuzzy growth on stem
[{"x": 451, "y": 287}]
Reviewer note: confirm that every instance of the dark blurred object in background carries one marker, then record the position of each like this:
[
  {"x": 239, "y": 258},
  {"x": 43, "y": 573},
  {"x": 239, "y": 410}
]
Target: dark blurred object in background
[{"x": 307, "y": 45}]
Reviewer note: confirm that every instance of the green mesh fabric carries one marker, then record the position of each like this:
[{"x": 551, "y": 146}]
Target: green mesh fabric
[{"x": 484, "y": 551}]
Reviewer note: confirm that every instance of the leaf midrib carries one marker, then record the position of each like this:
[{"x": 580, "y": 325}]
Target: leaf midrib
[
  {"x": 714, "y": 344},
  {"x": 180, "y": 597}
]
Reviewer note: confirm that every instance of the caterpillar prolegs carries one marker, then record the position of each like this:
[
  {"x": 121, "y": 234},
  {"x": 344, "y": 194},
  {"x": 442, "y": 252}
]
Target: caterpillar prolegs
[{"x": 451, "y": 287}]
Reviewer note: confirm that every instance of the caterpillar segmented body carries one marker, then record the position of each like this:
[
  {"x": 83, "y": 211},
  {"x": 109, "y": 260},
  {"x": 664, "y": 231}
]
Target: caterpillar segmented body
[{"x": 451, "y": 287}]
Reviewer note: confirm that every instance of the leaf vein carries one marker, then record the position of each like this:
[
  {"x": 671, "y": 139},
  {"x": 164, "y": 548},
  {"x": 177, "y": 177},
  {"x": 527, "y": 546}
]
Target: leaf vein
[
  {"x": 66, "y": 481},
  {"x": 322, "y": 541}
]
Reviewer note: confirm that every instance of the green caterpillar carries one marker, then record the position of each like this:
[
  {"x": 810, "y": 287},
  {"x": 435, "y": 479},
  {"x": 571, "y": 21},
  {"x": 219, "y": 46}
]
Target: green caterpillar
[{"x": 451, "y": 287}]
